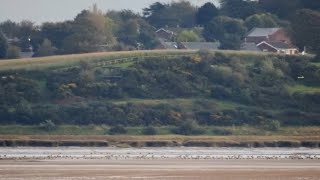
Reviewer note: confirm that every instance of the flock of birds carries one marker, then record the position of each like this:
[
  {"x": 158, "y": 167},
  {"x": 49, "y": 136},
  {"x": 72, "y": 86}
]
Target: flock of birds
[{"x": 152, "y": 156}]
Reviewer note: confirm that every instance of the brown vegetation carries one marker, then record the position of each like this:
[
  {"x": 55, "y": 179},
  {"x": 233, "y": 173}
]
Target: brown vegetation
[{"x": 162, "y": 141}]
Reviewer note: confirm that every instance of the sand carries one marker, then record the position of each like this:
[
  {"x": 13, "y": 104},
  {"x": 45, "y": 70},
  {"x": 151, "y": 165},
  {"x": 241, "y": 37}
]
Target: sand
[
  {"x": 160, "y": 169},
  {"x": 70, "y": 164}
]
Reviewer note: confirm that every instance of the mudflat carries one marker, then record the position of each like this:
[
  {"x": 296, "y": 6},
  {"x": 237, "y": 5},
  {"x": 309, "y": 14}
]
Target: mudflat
[{"x": 159, "y": 169}]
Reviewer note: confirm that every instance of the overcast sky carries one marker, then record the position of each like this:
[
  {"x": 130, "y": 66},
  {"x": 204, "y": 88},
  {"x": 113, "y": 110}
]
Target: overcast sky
[{"x": 40, "y": 11}]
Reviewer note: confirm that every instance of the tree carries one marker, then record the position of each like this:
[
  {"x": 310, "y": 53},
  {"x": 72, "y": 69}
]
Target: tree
[
  {"x": 132, "y": 31},
  {"x": 206, "y": 13},
  {"x": 306, "y": 28},
  {"x": 46, "y": 49},
  {"x": 239, "y": 8},
  {"x": 188, "y": 36},
  {"x": 147, "y": 36},
  {"x": 90, "y": 32},
  {"x": 266, "y": 20},
  {"x": 11, "y": 29},
  {"x": 13, "y": 52},
  {"x": 311, "y": 4},
  {"x": 175, "y": 14},
  {"x": 48, "y": 125},
  {"x": 3, "y": 46},
  {"x": 129, "y": 32},
  {"x": 56, "y": 32},
  {"x": 226, "y": 30},
  {"x": 26, "y": 35},
  {"x": 283, "y": 8}
]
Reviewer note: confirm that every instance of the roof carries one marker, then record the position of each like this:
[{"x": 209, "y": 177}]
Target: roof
[
  {"x": 262, "y": 32},
  {"x": 26, "y": 54},
  {"x": 169, "y": 45},
  {"x": 201, "y": 45},
  {"x": 278, "y": 44},
  {"x": 249, "y": 47},
  {"x": 165, "y": 30}
]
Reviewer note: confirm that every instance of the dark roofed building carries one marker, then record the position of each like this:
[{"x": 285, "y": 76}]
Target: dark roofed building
[
  {"x": 165, "y": 34},
  {"x": 168, "y": 45},
  {"x": 277, "y": 47},
  {"x": 257, "y": 35},
  {"x": 246, "y": 46}
]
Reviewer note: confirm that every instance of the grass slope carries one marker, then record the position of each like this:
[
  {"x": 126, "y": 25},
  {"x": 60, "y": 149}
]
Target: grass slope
[{"x": 258, "y": 80}]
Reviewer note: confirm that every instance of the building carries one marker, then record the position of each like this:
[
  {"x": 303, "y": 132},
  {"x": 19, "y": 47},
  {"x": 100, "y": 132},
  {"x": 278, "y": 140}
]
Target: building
[
  {"x": 274, "y": 40},
  {"x": 166, "y": 35},
  {"x": 257, "y": 35},
  {"x": 168, "y": 45},
  {"x": 277, "y": 47},
  {"x": 247, "y": 46}
]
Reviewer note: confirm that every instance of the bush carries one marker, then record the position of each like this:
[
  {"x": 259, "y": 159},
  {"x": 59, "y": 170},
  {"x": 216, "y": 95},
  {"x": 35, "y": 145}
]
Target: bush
[
  {"x": 221, "y": 92},
  {"x": 221, "y": 131},
  {"x": 117, "y": 130},
  {"x": 47, "y": 125},
  {"x": 273, "y": 126},
  {"x": 149, "y": 131},
  {"x": 13, "y": 52},
  {"x": 188, "y": 127}
]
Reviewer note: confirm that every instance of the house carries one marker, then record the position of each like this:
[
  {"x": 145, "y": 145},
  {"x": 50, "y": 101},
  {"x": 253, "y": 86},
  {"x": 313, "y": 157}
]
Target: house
[
  {"x": 248, "y": 46},
  {"x": 257, "y": 35},
  {"x": 165, "y": 35},
  {"x": 27, "y": 53},
  {"x": 168, "y": 45},
  {"x": 199, "y": 45},
  {"x": 277, "y": 47}
]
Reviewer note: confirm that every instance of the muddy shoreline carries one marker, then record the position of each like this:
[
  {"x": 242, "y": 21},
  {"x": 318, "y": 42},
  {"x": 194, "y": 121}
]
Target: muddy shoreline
[{"x": 157, "y": 143}]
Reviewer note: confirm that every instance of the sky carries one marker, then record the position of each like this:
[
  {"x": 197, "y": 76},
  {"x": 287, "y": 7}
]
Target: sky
[{"x": 39, "y": 11}]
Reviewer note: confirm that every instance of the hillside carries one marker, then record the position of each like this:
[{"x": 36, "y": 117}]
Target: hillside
[{"x": 161, "y": 88}]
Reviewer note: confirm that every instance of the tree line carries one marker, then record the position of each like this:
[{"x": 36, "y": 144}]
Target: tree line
[{"x": 92, "y": 30}]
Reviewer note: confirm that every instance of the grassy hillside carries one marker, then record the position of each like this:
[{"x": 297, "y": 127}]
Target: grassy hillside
[
  {"x": 64, "y": 61},
  {"x": 161, "y": 88}
]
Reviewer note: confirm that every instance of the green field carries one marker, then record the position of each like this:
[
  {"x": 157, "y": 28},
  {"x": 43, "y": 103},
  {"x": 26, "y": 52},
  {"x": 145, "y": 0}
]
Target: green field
[
  {"x": 64, "y": 61},
  {"x": 102, "y": 58},
  {"x": 303, "y": 89}
]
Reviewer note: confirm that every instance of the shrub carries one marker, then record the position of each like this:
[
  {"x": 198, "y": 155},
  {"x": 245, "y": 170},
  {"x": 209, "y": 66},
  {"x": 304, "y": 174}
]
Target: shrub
[
  {"x": 273, "y": 126},
  {"x": 188, "y": 127},
  {"x": 47, "y": 125},
  {"x": 221, "y": 131},
  {"x": 118, "y": 129},
  {"x": 220, "y": 92},
  {"x": 149, "y": 131},
  {"x": 13, "y": 52}
]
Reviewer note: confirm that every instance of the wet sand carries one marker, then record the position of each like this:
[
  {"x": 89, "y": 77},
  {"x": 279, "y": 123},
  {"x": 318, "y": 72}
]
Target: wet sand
[
  {"x": 159, "y": 169},
  {"x": 75, "y": 163}
]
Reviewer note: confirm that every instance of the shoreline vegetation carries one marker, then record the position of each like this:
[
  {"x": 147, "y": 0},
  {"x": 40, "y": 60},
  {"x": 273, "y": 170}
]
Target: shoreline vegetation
[
  {"x": 124, "y": 141},
  {"x": 97, "y": 136}
]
